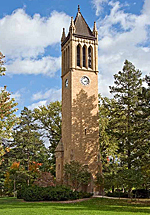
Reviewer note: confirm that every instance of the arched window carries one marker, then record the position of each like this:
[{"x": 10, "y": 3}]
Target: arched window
[
  {"x": 78, "y": 55},
  {"x": 90, "y": 57},
  {"x": 84, "y": 56}
]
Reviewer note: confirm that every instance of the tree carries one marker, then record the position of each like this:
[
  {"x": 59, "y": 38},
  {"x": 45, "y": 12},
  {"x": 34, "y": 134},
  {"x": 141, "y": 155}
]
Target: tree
[
  {"x": 7, "y": 116},
  {"x": 7, "y": 121},
  {"x": 28, "y": 146},
  {"x": 77, "y": 174},
  {"x": 128, "y": 84},
  {"x": 108, "y": 144},
  {"x": 49, "y": 120},
  {"x": 126, "y": 89},
  {"x": 143, "y": 133}
]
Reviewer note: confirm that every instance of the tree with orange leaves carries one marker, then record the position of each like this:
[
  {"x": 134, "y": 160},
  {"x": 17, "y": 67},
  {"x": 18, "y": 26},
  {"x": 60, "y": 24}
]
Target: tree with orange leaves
[{"x": 7, "y": 120}]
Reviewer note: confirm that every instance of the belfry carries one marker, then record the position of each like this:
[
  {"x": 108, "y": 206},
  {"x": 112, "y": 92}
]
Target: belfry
[{"x": 80, "y": 126}]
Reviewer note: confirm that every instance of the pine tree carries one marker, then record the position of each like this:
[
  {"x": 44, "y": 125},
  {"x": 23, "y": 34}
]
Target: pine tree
[
  {"x": 143, "y": 133},
  {"x": 27, "y": 146},
  {"x": 128, "y": 84},
  {"x": 108, "y": 143}
]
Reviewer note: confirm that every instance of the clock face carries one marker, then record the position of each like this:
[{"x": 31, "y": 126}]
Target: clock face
[
  {"x": 85, "y": 80},
  {"x": 66, "y": 83}
]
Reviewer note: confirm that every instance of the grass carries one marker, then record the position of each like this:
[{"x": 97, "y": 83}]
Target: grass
[{"x": 12, "y": 206}]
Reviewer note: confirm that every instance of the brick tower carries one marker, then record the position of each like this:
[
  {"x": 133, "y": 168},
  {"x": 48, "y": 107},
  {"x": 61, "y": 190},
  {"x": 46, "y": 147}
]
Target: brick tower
[{"x": 80, "y": 127}]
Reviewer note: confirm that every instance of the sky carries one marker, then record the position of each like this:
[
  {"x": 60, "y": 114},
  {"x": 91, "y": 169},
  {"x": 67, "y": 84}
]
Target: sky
[{"x": 30, "y": 34}]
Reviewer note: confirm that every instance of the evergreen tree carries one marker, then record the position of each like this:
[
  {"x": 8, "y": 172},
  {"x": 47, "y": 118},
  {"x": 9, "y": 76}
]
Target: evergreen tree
[
  {"x": 128, "y": 85},
  {"x": 27, "y": 146},
  {"x": 108, "y": 143},
  {"x": 143, "y": 133}
]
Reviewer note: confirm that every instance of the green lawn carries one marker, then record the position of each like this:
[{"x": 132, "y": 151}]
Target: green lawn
[{"x": 11, "y": 206}]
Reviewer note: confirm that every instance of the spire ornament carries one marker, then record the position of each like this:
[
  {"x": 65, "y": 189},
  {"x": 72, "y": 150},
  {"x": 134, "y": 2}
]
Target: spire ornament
[
  {"x": 63, "y": 35},
  {"x": 78, "y": 8},
  {"x": 95, "y": 32},
  {"x": 72, "y": 26}
]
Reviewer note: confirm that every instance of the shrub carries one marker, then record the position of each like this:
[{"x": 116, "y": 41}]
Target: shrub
[
  {"x": 77, "y": 173},
  {"x": 20, "y": 192},
  {"x": 117, "y": 194},
  {"x": 45, "y": 179},
  {"x": 58, "y": 193},
  {"x": 141, "y": 193}
]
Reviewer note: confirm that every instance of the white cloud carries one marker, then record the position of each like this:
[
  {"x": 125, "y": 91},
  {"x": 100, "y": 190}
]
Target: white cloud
[
  {"x": 52, "y": 95},
  {"x": 98, "y": 4},
  {"x": 123, "y": 36},
  {"x": 37, "y": 104},
  {"x": 25, "y": 38},
  {"x": 46, "y": 66},
  {"x": 146, "y": 7},
  {"x": 45, "y": 98}
]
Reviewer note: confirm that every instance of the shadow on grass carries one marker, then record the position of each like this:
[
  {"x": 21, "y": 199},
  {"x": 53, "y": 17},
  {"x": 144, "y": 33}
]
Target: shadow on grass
[{"x": 95, "y": 204}]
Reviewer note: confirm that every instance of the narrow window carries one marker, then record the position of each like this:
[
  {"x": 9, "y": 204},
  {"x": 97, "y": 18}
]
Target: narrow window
[
  {"x": 78, "y": 55},
  {"x": 58, "y": 166},
  {"x": 68, "y": 57},
  {"x": 90, "y": 57},
  {"x": 64, "y": 60},
  {"x": 84, "y": 56},
  {"x": 85, "y": 131}
]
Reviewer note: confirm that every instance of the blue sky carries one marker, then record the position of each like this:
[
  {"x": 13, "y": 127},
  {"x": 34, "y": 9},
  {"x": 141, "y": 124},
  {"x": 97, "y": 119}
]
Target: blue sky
[{"x": 30, "y": 32}]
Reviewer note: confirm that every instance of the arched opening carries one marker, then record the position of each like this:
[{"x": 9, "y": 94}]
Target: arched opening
[
  {"x": 90, "y": 57},
  {"x": 78, "y": 55},
  {"x": 84, "y": 56}
]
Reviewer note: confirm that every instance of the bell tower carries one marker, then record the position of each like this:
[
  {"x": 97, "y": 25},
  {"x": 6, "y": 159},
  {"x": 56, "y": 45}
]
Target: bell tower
[{"x": 80, "y": 127}]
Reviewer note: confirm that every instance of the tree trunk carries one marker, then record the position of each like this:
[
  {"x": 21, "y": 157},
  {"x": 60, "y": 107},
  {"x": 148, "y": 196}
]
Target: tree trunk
[
  {"x": 113, "y": 189},
  {"x": 14, "y": 187}
]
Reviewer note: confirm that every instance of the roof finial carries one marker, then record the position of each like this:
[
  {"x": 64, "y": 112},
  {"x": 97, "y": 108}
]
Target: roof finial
[
  {"x": 78, "y": 8},
  {"x": 72, "y": 26},
  {"x": 95, "y": 32},
  {"x": 72, "y": 22},
  {"x": 63, "y": 35},
  {"x": 95, "y": 28}
]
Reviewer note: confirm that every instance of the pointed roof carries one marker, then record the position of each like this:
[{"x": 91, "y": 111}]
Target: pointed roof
[
  {"x": 60, "y": 147},
  {"x": 81, "y": 27}
]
